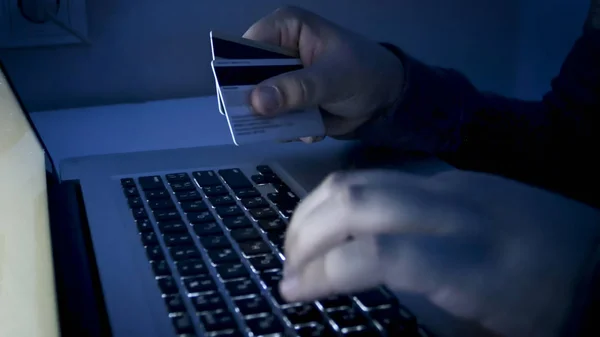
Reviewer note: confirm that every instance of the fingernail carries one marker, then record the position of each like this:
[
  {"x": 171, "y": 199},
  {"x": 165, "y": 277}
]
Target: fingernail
[{"x": 269, "y": 99}]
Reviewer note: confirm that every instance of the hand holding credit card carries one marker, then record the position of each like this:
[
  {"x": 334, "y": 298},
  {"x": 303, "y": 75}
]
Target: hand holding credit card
[{"x": 238, "y": 66}]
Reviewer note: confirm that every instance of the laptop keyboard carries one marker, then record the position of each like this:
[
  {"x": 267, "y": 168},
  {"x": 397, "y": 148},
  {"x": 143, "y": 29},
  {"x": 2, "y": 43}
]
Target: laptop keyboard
[{"x": 214, "y": 241}]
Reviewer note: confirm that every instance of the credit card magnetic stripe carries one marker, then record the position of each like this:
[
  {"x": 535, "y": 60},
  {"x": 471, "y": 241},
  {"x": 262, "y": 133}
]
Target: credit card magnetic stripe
[{"x": 249, "y": 75}]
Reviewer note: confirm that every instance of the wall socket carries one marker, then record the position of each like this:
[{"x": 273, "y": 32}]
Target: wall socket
[{"x": 18, "y": 32}]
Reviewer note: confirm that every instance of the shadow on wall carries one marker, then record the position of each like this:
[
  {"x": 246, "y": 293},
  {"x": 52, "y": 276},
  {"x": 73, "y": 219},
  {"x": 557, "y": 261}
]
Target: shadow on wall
[{"x": 147, "y": 50}]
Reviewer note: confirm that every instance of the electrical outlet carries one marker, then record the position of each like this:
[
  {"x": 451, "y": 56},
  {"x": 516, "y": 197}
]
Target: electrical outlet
[{"x": 18, "y": 32}]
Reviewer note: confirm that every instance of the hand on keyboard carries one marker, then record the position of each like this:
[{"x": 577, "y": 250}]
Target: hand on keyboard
[{"x": 481, "y": 247}]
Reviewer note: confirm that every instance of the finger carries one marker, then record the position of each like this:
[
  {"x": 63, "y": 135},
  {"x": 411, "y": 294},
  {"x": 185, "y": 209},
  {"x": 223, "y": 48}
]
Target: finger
[
  {"x": 310, "y": 140},
  {"x": 296, "y": 90},
  {"x": 409, "y": 264},
  {"x": 340, "y": 180},
  {"x": 283, "y": 27},
  {"x": 356, "y": 209},
  {"x": 350, "y": 267},
  {"x": 325, "y": 189}
]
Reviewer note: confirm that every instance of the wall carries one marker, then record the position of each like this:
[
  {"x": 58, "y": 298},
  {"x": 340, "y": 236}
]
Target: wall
[
  {"x": 155, "y": 49},
  {"x": 548, "y": 30}
]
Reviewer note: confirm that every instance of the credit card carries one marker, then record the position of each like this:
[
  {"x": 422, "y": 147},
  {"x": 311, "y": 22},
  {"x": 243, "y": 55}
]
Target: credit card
[
  {"x": 224, "y": 46},
  {"x": 237, "y": 78}
]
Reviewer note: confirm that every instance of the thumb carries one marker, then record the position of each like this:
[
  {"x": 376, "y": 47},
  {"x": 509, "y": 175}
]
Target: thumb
[{"x": 294, "y": 90}]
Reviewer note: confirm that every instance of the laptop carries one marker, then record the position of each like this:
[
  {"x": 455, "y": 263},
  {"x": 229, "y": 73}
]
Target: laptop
[{"x": 184, "y": 242}]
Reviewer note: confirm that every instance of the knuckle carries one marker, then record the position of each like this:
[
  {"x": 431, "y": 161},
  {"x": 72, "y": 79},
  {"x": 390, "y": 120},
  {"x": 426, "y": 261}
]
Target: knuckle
[
  {"x": 350, "y": 194},
  {"x": 336, "y": 179}
]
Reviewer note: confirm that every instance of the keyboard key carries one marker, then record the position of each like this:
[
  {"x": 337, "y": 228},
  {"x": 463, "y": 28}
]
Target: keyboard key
[
  {"x": 166, "y": 215},
  {"x": 184, "y": 253},
  {"x": 227, "y": 333},
  {"x": 209, "y": 228},
  {"x": 237, "y": 222},
  {"x": 253, "y": 305},
  {"x": 200, "y": 217},
  {"x": 198, "y": 284},
  {"x": 177, "y": 239},
  {"x": 348, "y": 318},
  {"x": 271, "y": 278},
  {"x": 265, "y": 325},
  {"x": 283, "y": 198},
  {"x": 259, "y": 179},
  {"x": 188, "y": 196},
  {"x": 362, "y": 331},
  {"x": 161, "y": 204},
  {"x": 235, "y": 178},
  {"x": 391, "y": 322},
  {"x": 127, "y": 182},
  {"x": 208, "y": 302},
  {"x": 231, "y": 210},
  {"x": 255, "y": 248},
  {"x": 264, "y": 169},
  {"x": 215, "y": 242},
  {"x": 334, "y": 302},
  {"x": 232, "y": 271},
  {"x": 263, "y": 213},
  {"x": 206, "y": 178},
  {"x": 182, "y": 324},
  {"x": 191, "y": 267},
  {"x": 280, "y": 187},
  {"x": 151, "y": 183},
  {"x": 317, "y": 330},
  {"x": 177, "y": 177},
  {"x": 157, "y": 194},
  {"x": 256, "y": 202},
  {"x": 161, "y": 268},
  {"x": 303, "y": 314},
  {"x": 218, "y": 321},
  {"x": 135, "y": 202},
  {"x": 174, "y": 303},
  {"x": 245, "y": 234},
  {"x": 172, "y": 227},
  {"x": 277, "y": 237},
  {"x": 139, "y": 213},
  {"x": 154, "y": 253},
  {"x": 221, "y": 256},
  {"x": 374, "y": 298},
  {"x": 286, "y": 212},
  {"x": 167, "y": 285},
  {"x": 264, "y": 262},
  {"x": 194, "y": 206},
  {"x": 270, "y": 225},
  {"x": 144, "y": 225},
  {"x": 247, "y": 193},
  {"x": 216, "y": 190},
  {"x": 183, "y": 186},
  {"x": 222, "y": 200},
  {"x": 131, "y": 192},
  {"x": 149, "y": 238},
  {"x": 241, "y": 287}
]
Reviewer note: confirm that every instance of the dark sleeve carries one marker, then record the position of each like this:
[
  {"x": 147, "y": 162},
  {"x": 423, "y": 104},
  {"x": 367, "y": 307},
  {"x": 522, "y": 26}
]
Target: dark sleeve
[{"x": 443, "y": 114}]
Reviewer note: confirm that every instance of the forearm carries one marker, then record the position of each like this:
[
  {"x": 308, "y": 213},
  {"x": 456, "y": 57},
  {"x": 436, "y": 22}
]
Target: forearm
[
  {"x": 547, "y": 142},
  {"x": 442, "y": 113}
]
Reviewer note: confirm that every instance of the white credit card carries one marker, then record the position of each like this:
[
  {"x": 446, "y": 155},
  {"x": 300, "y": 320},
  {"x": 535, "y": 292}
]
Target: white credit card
[
  {"x": 236, "y": 79},
  {"x": 224, "y": 46}
]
